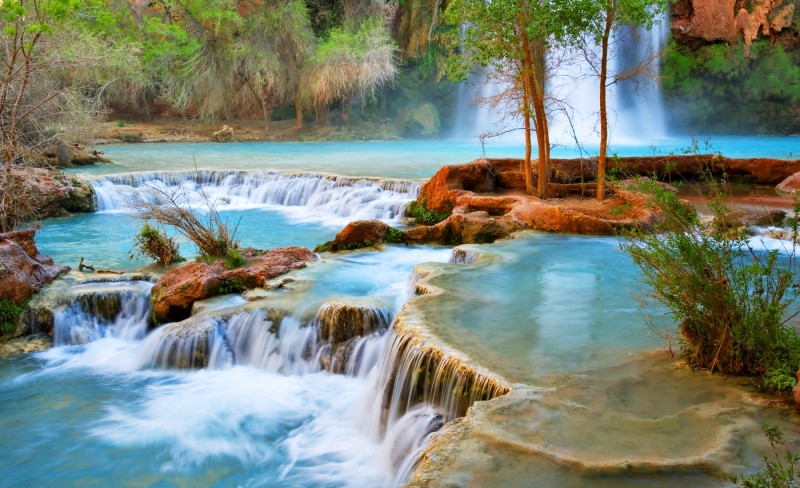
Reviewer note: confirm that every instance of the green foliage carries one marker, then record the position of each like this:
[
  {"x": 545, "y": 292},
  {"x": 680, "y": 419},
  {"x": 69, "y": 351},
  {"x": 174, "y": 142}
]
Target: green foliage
[
  {"x": 233, "y": 259},
  {"x": 730, "y": 300},
  {"x": 716, "y": 88},
  {"x": 393, "y": 236},
  {"x": 9, "y": 315},
  {"x": 155, "y": 244},
  {"x": 120, "y": 123},
  {"x": 423, "y": 215},
  {"x": 779, "y": 472}
]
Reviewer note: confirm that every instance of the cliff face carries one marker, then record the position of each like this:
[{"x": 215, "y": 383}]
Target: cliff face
[
  {"x": 733, "y": 66},
  {"x": 706, "y": 21}
]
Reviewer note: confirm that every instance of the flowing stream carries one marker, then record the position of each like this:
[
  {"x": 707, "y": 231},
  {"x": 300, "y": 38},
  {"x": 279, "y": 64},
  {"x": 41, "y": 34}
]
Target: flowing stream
[{"x": 339, "y": 378}]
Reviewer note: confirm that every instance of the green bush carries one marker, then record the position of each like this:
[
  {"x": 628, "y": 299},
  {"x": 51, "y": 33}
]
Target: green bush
[
  {"x": 10, "y": 312},
  {"x": 393, "y": 236},
  {"x": 423, "y": 215},
  {"x": 155, "y": 244},
  {"x": 729, "y": 299}
]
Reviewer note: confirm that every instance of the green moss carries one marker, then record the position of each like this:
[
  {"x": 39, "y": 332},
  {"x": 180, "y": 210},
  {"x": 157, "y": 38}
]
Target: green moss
[{"x": 10, "y": 313}]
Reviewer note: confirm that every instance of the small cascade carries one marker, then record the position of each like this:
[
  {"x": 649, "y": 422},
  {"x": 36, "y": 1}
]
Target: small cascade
[
  {"x": 95, "y": 311},
  {"x": 462, "y": 256},
  {"x": 330, "y": 195},
  {"x": 267, "y": 340},
  {"x": 416, "y": 372},
  {"x": 405, "y": 440},
  {"x": 182, "y": 345},
  {"x": 352, "y": 336},
  {"x": 341, "y": 338}
]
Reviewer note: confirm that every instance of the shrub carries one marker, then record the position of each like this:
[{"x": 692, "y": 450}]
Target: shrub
[
  {"x": 155, "y": 244},
  {"x": 423, "y": 215},
  {"x": 393, "y": 236},
  {"x": 213, "y": 236},
  {"x": 729, "y": 299}
]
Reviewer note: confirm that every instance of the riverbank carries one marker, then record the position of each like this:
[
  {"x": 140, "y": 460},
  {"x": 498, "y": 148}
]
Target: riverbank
[{"x": 179, "y": 130}]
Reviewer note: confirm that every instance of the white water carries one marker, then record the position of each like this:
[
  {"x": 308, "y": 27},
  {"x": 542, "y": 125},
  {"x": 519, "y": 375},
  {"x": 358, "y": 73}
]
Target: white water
[
  {"x": 307, "y": 196},
  {"x": 262, "y": 413}
]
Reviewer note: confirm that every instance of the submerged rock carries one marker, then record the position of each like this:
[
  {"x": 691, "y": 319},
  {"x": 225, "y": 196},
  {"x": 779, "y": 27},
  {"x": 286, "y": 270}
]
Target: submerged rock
[{"x": 176, "y": 291}]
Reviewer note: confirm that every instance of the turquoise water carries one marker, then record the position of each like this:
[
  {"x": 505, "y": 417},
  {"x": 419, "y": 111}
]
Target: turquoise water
[
  {"x": 545, "y": 306},
  {"x": 106, "y": 239},
  {"x": 550, "y": 304},
  {"x": 415, "y": 160}
]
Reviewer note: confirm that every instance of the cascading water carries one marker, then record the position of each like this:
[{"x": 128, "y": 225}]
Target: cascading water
[
  {"x": 120, "y": 310},
  {"x": 346, "y": 336},
  {"x": 317, "y": 195}
]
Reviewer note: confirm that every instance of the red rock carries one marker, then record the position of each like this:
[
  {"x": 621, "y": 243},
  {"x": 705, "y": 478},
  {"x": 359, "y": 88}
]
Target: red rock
[
  {"x": 23, "y": 271},
  {"x": 709, "y": 20},
  {"x": 789, "y": 185},
  {"x": 796, "y": 392},
  {"x": 174, "y": 294},
  {"x": 361, "y": 231}
]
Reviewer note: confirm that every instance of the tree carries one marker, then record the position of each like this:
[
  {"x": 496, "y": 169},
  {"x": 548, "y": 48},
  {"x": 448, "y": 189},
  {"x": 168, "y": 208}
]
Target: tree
[
  {"x": 511, "y": 40},
  {"x": 608, "y": 19},
  {"x": 277, "y": 43},
  {"x": 349, "y": 63},
  {"x": 58, "y": 59}
]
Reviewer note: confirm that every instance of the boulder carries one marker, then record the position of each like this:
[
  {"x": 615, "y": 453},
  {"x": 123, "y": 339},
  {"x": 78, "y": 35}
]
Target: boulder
[
  {"x": 174, "y": 294},
  {"x": 440, "y": 193},
  {"x": 790, "y": 184},
  {"x": 63, "y": 155},
  {"x": 418, "y": 121},
  {"x": 23, "y": 271},
  {"x": 40, "y": 193}
]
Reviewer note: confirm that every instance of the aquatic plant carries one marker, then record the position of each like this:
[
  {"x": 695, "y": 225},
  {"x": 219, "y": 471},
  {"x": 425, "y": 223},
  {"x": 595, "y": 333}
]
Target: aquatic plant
[
  {"x": 155, "y": 244},
  {"x": 779, "y": 472},
  {"x": 731, "y": 301}
]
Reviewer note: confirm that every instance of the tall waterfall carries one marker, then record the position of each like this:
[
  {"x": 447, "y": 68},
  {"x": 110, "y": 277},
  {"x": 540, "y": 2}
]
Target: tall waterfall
[
  {"x": 635, "y": 108},
  {"x": 313, "y": 194}
]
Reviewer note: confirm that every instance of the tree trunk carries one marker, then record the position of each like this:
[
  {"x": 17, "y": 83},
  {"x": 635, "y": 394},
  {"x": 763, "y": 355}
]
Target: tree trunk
[
  {"x": 534, "y": 72},
  {"x": 267, "y": 113},
  {"x": 601, "y": 158},
  {"x": 145, "y": 105},
  {"x": 298, "y": 113}
]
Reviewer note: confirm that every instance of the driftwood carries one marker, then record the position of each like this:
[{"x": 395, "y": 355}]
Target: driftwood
[
  {"x": 82, "y": 266},
  {"x": 224, "y": 135}
]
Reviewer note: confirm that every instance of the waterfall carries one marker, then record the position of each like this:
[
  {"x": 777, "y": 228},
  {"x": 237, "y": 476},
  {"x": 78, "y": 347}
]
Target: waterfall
[
  {"x": 635, "y": 108},
  {"x": 118, "y": 310},
  {"x": 317, "y": 194}
]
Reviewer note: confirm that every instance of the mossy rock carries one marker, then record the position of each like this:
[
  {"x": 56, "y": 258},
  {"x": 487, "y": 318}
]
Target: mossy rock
[{"x": 418, "y": 121}]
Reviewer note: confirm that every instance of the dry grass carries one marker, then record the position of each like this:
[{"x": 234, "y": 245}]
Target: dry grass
[{"x": 212, "y": 235}]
